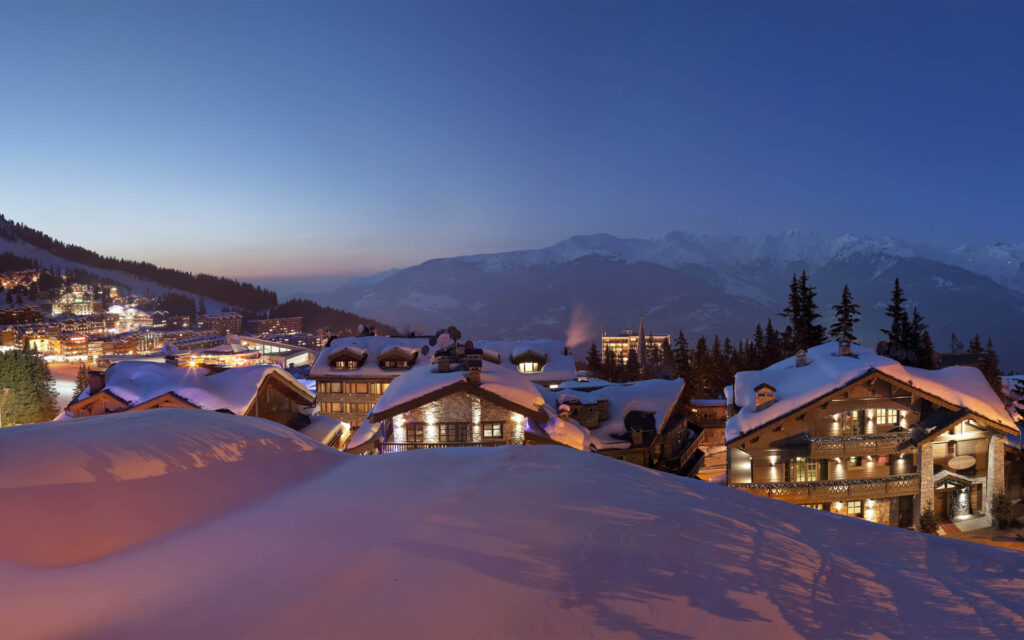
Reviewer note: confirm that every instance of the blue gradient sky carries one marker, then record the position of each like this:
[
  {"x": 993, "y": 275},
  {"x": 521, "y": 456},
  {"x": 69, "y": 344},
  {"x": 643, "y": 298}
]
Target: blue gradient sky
[{"x": 266, "y": 139}]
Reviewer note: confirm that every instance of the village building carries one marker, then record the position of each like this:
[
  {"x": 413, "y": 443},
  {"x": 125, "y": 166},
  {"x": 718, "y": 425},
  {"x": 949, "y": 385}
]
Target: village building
[
  {"x": 641, "y": 422},
  {"x": 842, "y": 429},
  {"x": 460, "y": 399},
  {"x": 352, "y": 373},
  {"x": 263, "y": 327},
  {"x": 220, "y": 323},
  {"x": 263, "y": 392},
  {"x": 621, "y": 344}
]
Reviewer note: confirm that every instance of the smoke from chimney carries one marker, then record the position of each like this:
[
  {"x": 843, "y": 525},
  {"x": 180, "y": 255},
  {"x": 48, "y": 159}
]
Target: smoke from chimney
[{"x": 579, "y": 328}]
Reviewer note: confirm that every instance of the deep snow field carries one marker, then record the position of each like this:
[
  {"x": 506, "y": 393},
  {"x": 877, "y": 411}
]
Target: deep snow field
[{"x": 186, "y": 523}]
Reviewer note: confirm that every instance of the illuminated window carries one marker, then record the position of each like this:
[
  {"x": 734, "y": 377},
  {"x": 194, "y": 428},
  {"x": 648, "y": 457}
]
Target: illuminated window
[
  {"x": 887, "y": 416},
  {"x": 529, "y": 367},
  {"x": 453, "y": 432},
  {"x": 850, "y": 423},
  {"x": 802, "y": 470},
  {"x": 856, "y": 461},
  {"x": 855, "y": 508},
  {"x": 492, "y": 429},
  {"x": 395, "y": 364}
]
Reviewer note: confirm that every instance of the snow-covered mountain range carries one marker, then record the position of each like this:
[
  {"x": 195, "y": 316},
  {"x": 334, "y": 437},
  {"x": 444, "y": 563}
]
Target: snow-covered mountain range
[{"x": 700, "y": 284}]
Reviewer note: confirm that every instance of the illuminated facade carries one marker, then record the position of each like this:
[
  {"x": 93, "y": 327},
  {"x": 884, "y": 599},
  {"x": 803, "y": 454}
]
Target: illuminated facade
[{"x": 876, "y": 447}]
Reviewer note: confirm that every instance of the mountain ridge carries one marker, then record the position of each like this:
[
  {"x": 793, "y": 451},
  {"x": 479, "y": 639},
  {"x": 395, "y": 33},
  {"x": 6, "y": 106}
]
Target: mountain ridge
[{"x": 700, "y": 284}]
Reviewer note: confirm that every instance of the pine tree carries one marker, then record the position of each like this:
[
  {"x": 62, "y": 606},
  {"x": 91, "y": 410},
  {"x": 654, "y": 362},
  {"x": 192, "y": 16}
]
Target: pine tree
[
  {"x": 700, "y": 367},
  {"x": 955, "y": 344},
  {"x": 682, "y": 358},
  {"x": 757, "y": 348},
  {"x": 81, "y": 380},
  {"x": 802, "y": 312},
  {"x": 668, "y": 359},
  {"x": 593, "y": 361},
  {"x": 918, "y": 353},
  {"x": 610, "y": 366},
  {"x": 990, "y": 367},
  {"x": 926, "y": 356},
  {"x": 774, "y": 346},
  {"x": 974, "y": 346},
  {"x": 899, "y": 322},
  {"x": 31, "y": 396},
  {"x": 632, "y": 372},
  {"x": 846, "y": 315}
]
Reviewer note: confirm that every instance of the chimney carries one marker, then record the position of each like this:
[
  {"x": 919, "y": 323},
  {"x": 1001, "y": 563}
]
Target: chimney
[
  {"x": 97, "y": 380},
  {"x": 474, "y": 363},
  {"x": 801, "y": 358},
  {"x": 844, "y": 348},
  {"x": 564, "y": 411},
  {"x": 638, "y": 437},
  {"x": 443, "y": 364}
]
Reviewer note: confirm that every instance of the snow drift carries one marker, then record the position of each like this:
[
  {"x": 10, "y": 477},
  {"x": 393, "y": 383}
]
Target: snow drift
[{"x": 286, "y": 538}]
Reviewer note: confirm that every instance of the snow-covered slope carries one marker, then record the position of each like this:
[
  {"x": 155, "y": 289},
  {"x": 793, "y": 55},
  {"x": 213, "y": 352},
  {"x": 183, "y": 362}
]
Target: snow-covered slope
[
  {"x": 260, "y": 533},
  {"x": 140, "y": 286},
  {"x": 700, "y": 284}
]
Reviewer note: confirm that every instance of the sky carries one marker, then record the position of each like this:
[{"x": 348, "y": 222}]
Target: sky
[{"x": 263, "y": 139}]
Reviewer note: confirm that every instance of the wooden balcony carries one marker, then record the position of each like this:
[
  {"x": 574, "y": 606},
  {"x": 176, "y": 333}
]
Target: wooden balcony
[
  {"x": 396, "y": 447},
  {"x": 888, "y": 487},
  {"x": 873, "y": 445}
]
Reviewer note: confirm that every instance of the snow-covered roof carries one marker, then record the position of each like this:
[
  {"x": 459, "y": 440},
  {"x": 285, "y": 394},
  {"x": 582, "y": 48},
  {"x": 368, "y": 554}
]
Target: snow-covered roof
[
  {"x": 370, "y": 347},
  {"x": 323, "y": 429},
  {"x": 560, "y": 365},
  {"x": 232, "y": 389},
  {"x": 508, "y": 384},
  {"x": 522, "y": 535},
  {"x": 656, "y": 397},
  {"x": 826, "y": 371}
]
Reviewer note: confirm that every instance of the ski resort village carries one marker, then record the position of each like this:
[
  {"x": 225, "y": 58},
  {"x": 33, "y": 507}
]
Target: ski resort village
[
  {"x": 497, "y": 320},
  {"x": 469, "y": 470}
]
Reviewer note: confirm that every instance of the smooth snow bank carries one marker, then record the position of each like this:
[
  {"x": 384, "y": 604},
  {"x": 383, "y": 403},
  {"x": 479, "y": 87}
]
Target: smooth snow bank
[
  {"x": 75, "y": 490},
  {"x": 827, "y": 371},
  {"x": 485, "y": 542}
]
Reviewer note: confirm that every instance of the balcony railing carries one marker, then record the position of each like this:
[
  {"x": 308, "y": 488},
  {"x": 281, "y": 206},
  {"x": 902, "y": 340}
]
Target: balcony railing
[
  {"x": 888, "y": 487},
  {"x": 396, "y": 447},
  {"x": 858, "y": 445}
]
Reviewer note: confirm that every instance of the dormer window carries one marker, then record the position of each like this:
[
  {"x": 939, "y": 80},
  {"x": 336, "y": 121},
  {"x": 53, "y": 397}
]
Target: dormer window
[
  {"x": 764, "y": 395},
  {"x": 348, "y": 358},
  {"x": 397, "y": 358},
  {"x": 529, "y": 366},
  {"x": 529, "y": 360}
]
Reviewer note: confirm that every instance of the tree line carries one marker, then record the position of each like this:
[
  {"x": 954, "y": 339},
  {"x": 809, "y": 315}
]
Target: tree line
[
  {"x": 708, "y": 366},
  {"x": 231, "y": 291}
]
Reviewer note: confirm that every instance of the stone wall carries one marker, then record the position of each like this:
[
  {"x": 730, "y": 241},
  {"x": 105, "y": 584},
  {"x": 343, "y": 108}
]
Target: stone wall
[{"x": 462, "y": 407}]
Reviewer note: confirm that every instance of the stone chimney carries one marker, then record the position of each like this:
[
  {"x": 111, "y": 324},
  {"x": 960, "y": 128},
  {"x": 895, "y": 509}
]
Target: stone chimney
[
  {"x": 443, "y": 364},
  {"x": 638, "y": 437},
  {"x": 97, "y": 380},
  {"x": 844, "y": 348},
  {"x": 801, "y": 358},
  {"x": 473, "y": 366}
]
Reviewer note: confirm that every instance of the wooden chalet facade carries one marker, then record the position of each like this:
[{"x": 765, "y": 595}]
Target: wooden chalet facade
[{"x": 877, "y": 447}]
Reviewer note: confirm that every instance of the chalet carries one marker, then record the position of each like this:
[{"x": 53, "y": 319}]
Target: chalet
[
  {"x": 710, "y": 415},
  {"x": 641, "y": 422},
  {"x": 459, "y": 397},
  {"x": 843, "y": 429},
  {"x": 260, "y": 391},
  {"x": 352, "y": 373}
]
